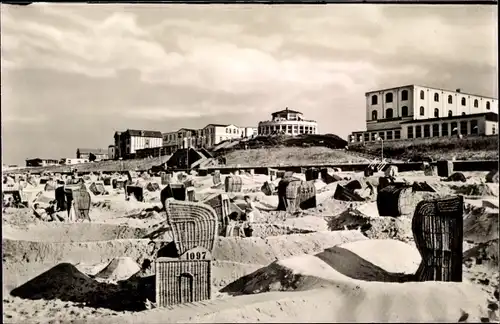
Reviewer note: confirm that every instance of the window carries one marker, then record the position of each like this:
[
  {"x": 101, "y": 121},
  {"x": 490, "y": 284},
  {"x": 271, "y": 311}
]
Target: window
[
  {"x": 388, "y": 113},
  {"x": 374, "y": 115},
  {"x": 476, "y": 103},
  {"x": 397, "y": 134},
  {"x": 422, "y": 95},
  {"x": 404, "y": 111},
  {"x": 220, "y": 139},
  {"x": 374, "y": 136},
  {"x": 427, "y": 130},
  {"x": 454, "y": 128},
  {"x": 488, "y": 105},
  {"x": 474, "y": 128},
  {"x": 450, "y": 113},
  {"x": 493, "y": 129},
  {"x": 388, "y": 97},
  {"x": 374, "y": 100},
  {"x": 463, "y": 113},
  {"x": 381, "y": 135},
  {"x": 404, "y": 95},
  {"x": 389, "y": 135},
  {"x": 367, "y": 137},
  {"x": 410, "y": 131},
  {"x": 422, "y": 111},
  {"x": 463, "y": 101},
  {"x": 436, "y": 97},
  {"x": 450, "y": 99},
  {"x": 418, "y": 131},
  {"x": 436, "y": 112},
  {"x": 435, "y": 130},
  {"x": 444, "y": 129},
  {"x": 463, "y": 128}
]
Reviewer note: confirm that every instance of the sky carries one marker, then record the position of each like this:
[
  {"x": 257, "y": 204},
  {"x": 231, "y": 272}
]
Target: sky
[{"x": 73, "y": 74}]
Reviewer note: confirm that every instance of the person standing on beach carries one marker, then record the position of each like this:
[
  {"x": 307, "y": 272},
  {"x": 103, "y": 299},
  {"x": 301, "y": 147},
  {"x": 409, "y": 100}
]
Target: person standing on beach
[{"x": 249, "y": 216}]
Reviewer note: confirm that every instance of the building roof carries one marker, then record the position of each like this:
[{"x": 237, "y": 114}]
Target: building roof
[
  {"x": 489, "y": 116},
  {"x": 423, "y": 86},
  {"x": 286, "y": 111},
  {"x": 217, "y": 125},
  {"x": 93, "y": 151},
  {"x": 42, "y": 159},
  {"x": 144, "y": 133},
  {"x": 188, "y": 129}
]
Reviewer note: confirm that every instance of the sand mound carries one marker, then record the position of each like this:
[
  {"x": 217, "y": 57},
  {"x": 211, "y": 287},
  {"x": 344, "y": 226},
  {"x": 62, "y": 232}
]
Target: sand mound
[
  {"x": 390, "y": 255},
  {"x": 63, "y": 281},
  {"x": 483, "y": 189},
  {"x": 484, "y": 253},
  {"x": 480, "y": 225},
  {"x": 264, "y": 230},
  {"x": 119, "y": 269},
  {"x": 340, "y": 262},
  {"x": 71, "y": 232},
  {"x": 370, "y": 302},
  {"x": 255, "y": 250},
  {"x": 373, "y": 226}
]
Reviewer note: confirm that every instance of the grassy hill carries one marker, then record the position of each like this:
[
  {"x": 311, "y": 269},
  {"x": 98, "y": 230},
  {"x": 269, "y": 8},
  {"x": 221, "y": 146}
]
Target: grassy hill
[
  {"x": 290, "y": 156},
  {"x": 105, "y": 166},
  {"x": 467, "y": 148}
]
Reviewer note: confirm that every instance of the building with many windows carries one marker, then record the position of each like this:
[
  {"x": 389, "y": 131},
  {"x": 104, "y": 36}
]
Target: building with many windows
[
  {"x": 414, "y": 111},
  {"x": 128, "y": 142},
  {"x": 288, "y": 122}
]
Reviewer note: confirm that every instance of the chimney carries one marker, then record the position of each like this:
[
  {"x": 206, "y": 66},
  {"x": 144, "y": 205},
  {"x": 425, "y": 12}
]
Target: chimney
[{"x": 458, "y": 90}]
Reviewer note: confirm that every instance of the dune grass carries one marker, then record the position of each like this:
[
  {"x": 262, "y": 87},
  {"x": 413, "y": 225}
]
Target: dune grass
[
  {"x": 104, "y": 166},
  {"x": 467, "y": 148},
  {"x": 290, "y": 156}
]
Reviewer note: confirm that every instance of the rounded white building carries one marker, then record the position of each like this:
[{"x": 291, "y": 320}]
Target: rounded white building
[{"x": 288, "y": 122}]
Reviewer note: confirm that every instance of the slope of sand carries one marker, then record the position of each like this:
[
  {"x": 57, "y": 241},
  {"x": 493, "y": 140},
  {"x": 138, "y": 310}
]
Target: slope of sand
[
  {"x": 119, "y": 269},
  {"x": 71, "y": 232},
  {"x": 351, "y": 261},
  {"x": 480, "y": 225},
  {"x": 340, "y": 302}
]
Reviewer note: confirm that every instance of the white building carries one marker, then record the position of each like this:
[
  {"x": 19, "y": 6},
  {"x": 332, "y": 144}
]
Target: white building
[
  {"x": 213, "y": 134},
  {"x": 414, "y": 111},
  {"x": 72, "y": 161},
  {"x": 128, "y": 142},
  {"x": 289, "y": 122}
]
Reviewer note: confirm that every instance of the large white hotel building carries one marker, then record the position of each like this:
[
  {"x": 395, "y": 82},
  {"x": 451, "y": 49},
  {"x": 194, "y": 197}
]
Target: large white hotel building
[{"x": 415, "y": 111}]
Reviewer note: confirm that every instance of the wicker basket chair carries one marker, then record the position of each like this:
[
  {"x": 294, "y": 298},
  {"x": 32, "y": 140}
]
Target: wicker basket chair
[
  {"x": 397, "y": 200},
  {"x": 307, "y": 195},
  {"x": 288, "y": 194},
  {"x": 437, "y": 227},
  {"x": 233, "y": 183},
  {"x": 97, "y": 188},
  {"x": 193, "y": 224},
  {"x": 221, "y": 204}
]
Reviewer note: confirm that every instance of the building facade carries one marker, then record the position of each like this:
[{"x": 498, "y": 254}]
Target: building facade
[
  {"x": 128, "y": 142},
  {"x": 38, "y": 162},
  {"x": 100, "y": 154},
  {"x": 414, "y": 111},
  {"x": 72, "y": 161},
  {"x": 288, "y": 122},
  {"x": 111, "y": 152}
]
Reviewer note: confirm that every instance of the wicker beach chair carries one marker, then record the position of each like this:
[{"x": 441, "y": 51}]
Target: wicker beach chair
[
  {"x": 233, "y": 184},
  {"x": 193, "y": 224},
  {"x": 396, "y": 200},
  {"x": 437, "y": 227}
]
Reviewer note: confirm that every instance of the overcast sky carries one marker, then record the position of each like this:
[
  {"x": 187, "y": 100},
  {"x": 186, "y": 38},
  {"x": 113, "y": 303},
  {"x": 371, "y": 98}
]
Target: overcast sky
[{"x": 72, "y": 75}]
